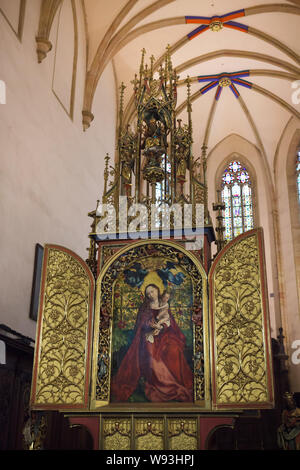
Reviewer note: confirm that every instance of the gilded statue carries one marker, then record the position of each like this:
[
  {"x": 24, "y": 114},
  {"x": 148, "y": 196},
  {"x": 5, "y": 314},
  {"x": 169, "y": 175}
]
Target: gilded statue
[
  {"x": 34, "y": 431},
  {"x": 182, "y": 152},
  {"x": 289, "y": 430},
  {"x": 152, "y": 134},
  {"x": 127, "y": 156},
  {"x": 153, "y": 150},
  {"x": 127, "y": 165},
  {"x": 182, "y": 155}
]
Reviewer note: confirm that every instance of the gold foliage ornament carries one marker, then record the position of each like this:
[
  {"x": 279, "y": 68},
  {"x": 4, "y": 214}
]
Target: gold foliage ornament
[
  {"x": 149, "y": 434},
  {"x": 117, "y": 433},
  {"x": 242, "y": 375},
  {"x": 62, "y": 355},
  {"x": 183, "y": 433}
]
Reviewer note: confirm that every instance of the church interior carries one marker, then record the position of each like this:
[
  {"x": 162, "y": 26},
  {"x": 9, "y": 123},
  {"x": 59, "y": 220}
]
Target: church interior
[{"x": 159, "y": 103}]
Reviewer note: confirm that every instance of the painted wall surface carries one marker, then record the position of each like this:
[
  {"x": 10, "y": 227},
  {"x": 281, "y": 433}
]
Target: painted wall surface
[
  {"x": 50, "y": 170},
  {"x": 290, "y": 249}
]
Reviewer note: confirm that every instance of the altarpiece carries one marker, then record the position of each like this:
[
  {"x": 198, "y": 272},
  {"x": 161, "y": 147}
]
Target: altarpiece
[{"x": 150, "y": 342}]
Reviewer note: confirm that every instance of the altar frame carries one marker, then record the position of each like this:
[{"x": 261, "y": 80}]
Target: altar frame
[{"x": 97, "y": 405}]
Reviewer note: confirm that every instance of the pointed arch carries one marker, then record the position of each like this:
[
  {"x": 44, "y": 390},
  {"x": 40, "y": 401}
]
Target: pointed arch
[
  {"x": 293, "y": 196},
  {"x": 252, "y": 157},
  {"x": 128, "y": 34},
  {"x": 288, "y": 250},
  {"x": 294, "y": 74}
]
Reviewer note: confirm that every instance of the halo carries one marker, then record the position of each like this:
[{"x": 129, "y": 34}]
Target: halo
[{"x": 152, "y": 278}]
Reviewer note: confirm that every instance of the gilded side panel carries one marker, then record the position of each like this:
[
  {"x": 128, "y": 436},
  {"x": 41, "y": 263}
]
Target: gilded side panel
[
  {"x": 183, "y": 434},
  {"x": 149, "y": 434},
  {"x": 62, "y": 356},
  {"x": 117, "y": 434},
  {"x": 240, "y": 331}
]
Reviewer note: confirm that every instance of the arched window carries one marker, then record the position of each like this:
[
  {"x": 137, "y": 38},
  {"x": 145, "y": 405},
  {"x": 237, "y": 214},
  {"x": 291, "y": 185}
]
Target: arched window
[
  {"x": 237, "y": 196},
  {"x": 298, "y": 174}
]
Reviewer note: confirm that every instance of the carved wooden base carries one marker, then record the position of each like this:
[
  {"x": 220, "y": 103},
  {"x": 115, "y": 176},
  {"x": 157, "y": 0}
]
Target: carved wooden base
[{"x": 159, "y": 432}]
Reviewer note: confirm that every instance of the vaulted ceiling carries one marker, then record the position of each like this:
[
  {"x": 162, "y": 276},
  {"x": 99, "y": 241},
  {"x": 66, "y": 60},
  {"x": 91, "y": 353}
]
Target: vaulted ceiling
[
  {"x": 260, "y": 39},
  {"x": 206, "y": 38}
]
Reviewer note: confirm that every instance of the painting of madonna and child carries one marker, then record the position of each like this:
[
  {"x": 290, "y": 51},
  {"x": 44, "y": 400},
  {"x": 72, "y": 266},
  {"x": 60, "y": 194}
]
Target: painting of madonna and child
[{"x": 152, "y": 335}]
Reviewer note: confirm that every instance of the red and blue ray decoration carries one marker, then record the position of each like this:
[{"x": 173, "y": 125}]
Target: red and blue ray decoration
[
  {"x": 234, "y": 79},
  {"x": 207, "y": 20},
  {"x": 234, "y": 90},
  {"x": 218, "y": 93},
  {"x": 226, "y": 21}
]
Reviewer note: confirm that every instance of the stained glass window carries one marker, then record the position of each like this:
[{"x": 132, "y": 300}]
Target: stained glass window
[
  {"x": 298, "y": 174},
  {"x": 237, "y": 196}
]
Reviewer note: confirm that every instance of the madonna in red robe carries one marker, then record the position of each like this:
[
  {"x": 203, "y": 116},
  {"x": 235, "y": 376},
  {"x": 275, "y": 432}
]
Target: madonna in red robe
[{"x": 160, "y": 361}]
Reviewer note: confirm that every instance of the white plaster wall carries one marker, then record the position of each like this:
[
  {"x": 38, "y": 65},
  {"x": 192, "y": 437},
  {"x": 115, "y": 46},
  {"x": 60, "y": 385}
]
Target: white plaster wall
[
  {"x": 50, "y": 170},
  {"x": 249, "y": 153},
  {"x": 11, "y": 11},
  {"x": 291, "y": 313}
]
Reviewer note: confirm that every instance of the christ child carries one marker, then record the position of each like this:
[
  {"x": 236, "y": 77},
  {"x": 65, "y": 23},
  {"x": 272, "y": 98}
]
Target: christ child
[{"x": 162, "y": 318}]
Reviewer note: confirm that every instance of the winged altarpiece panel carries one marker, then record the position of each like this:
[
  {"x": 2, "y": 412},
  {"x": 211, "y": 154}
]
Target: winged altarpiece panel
[
  {"x": 223, "y": 357},
  {"x": 241, "y": 360},
  {"x": 61, "y": 372}
]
